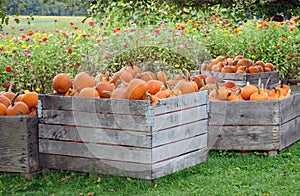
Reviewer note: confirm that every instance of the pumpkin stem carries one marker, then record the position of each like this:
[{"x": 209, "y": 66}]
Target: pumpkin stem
[
  {"x": 10, "y": 86},
  {"x": 122, "y": 81},
  {"x": 14, "y": 99},
  {"x": 187, "y": 74}
]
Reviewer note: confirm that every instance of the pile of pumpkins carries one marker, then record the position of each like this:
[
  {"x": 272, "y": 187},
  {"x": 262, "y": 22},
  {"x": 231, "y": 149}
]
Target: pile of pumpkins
[
  {"x": 128, "y": 83},
  {"x": 229, "y": 91},
  {"x": 239, "y": 64},
  {"x": 12, "y": 104}
]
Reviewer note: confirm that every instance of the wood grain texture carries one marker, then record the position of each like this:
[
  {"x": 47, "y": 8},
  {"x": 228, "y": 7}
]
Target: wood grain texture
[
  {"x": 290, "y": 133},
  {"x": 290, "y": 108},
  {"x": 243, "y": 137},
  {"x": 244, "y": 113},
  {"x": 19, "y": 147}
]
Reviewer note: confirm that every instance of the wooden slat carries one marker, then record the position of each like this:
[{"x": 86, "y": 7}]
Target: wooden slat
[
  {"x": 116, "y": 106},
  {"x": 110, "y": 167},
  {"x": 134, "y": 170},
  {"x": 243, "y": 137},
  {"x": 178, "y": 163},
  {"x": 96, "y": 120},
  {"x": 244, "y": 113},
  {"x": 18, "y": 146},
  {"x": 179, "y": 117},
  {"x": 179, "y": 132},
  {"x": 180, "y": 102},
  {"x": 290, "y": 108},
  {"x": 93, "y": 150},
  {"x": 177, "y": 148},
  {"x": 290, "y": 133},
  {"x": 95, "y": 135}
]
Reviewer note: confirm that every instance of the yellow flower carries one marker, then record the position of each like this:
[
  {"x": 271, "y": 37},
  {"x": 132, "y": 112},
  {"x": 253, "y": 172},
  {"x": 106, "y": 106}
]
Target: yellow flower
[
  {"x": 190, "y": 21},
  {"x": 239, "y": 28},
  {"x": 37, "y": 35},
  {"x": 1, "y": 45},
  {"x": 231, "y": 35},
  {"x": 217, "y": 25},
  {"x": 253, "y": 56},
  {"x": 78, "y": 38},
  {"x": 37, "y": 46},
  {"x": 74, "y": 53},
  {"x": 11, "y": 41},
  {"x": 15, "y": 48},
  {"x": 225, "y": 34},
  {"x": 177, "y": 65},
  {"x": 7, "y": 52},
  {"x": 254, "y": 43},
  {"x": 11, "y": 44},
  {"x": 37, "y": 89},
  {"x": 259, "y": 26},
  {"x": 23, "y": 46},
  {"x": 26, "y": 91},
  {"x": 225, "y": 31},
  {"x": 44, "y": 34},
  {"x": 194, "y": 29}
]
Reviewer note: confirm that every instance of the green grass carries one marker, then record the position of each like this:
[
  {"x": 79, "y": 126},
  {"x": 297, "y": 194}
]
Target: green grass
[
  {"x": 43, "y": 23},
  {"x": 225, "y": 173}
]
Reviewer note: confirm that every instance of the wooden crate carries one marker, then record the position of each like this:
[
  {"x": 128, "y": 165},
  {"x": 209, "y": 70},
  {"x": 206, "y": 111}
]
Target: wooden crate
[
  {"x": 252, "y": 78},
  {"x": 254, "y": 125},
  {"x": 122, "y": 137},
  {"x": 19, "y": 145}
]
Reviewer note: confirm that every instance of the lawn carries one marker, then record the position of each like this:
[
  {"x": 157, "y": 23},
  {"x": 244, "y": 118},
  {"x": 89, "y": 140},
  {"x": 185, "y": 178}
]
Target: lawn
[{"x": 225, "y": 173}]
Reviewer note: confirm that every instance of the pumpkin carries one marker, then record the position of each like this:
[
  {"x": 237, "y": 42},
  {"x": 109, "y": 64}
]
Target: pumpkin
[
  {"x": 17, "y": 108},
  {"x": 89, "y": 92},
  {"x": 248, "y": 90},
  {"x": 83, "y": 80},
  {"x": 103, "y": 88},
  {"x": 154, "y": 86},
  {"x": 118, "y": 93},
  {"x": 136, "y": 89},
  {"x": 3, "y": 109},
  {"x": 61, "y": 83},
  {"x": 31, "y": 99},
  {"x": 4, "y": 100},
  {"x": 162, "y": 76}
]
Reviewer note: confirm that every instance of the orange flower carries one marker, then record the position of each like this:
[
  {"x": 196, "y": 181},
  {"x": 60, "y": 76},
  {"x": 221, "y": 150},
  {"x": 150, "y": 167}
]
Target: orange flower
[{"x": 283, "y": 38}]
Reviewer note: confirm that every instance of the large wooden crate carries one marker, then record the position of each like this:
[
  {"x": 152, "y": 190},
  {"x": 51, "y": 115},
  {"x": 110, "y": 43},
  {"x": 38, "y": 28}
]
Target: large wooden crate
[
  {"x": 122, "y": 137},
  {"x": 19, "y": 145},
  {"x": 252, "y": 78},
  {"x": 254, "y": 125}
]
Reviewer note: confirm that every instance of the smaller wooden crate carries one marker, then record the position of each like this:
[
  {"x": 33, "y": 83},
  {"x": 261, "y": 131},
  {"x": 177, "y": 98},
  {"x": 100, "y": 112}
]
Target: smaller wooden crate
[
  {"x": 19, "y": 145},
  {"x": 252, "y": 78},
  {"x": 254, "y": 125},
  {"x": 122, "y": 137}
]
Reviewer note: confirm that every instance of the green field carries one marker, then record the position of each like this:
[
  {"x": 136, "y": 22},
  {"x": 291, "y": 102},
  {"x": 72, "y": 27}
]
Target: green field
[
  {"x": 225, "y": 173},
  {"x": 43, "y": 23}
]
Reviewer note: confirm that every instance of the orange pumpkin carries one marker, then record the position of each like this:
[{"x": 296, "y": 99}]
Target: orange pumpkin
[
  {"x": 248, "y": 90},
  {"x": 103, "y": 88},
  {"x": 136, "y": 89},
  {"x": 3, "y": 109},
  {"x": 31, "y": 99},
  {"x": 61, "y": 83}
]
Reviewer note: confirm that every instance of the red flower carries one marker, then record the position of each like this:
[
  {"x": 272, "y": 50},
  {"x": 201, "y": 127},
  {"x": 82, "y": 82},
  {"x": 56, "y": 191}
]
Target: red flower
[
  {"x": 216, "y": 15},
  {"x": 44, "y": 39},
  {"x": 71, "y": 23},
  {"x": 292, "y": 55},
  {"x": 145, "y": 13},
  {"x": 64, "y": 67},
  {"x": 91, "y": 23},
  {"x": 1, "y": 48},
  {"x": 6, "y": 85},
  {"x": 78, "y": 63},
  {"x": 70, "y": 50},
  {"x": 8, "y": 69},
  {"x": 71, "y": 66},
  {"x": 55, "y": 20},
  {"x": 186, "y": 20}
]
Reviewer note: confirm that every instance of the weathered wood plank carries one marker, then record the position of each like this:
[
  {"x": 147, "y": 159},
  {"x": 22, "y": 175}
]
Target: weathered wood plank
[
  {"x": 178, "y": 163},
  {"x": 290, "y": 133},
  {"x": 179, "y": 117},
  {"x": 179, "y": 132},
  {"x": 114, "y": 121},
  {"x": 177, "y": 148},
  {"x": 181, "y": 102},
  {"x": 244, "y": 113},
  {"x": 116, "y": 106},
  {"x": 83, "y": 164},
  {"x": 95, "y": 135},
  {"x": 243, "y": 137},
  {"x": 93, "y": 150},
  {"x": 18, "y": 147},
  {"x": 290, "y": 108}
]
